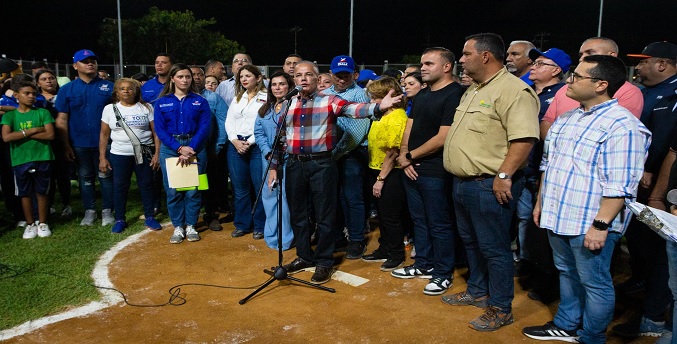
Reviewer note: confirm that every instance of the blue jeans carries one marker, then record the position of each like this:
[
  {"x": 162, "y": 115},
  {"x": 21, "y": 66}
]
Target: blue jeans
[
  {"x": 313, "y": 180},
  {"x": 269, "y": 198},
  {"x": 245, "y": 175},
  {"x": 183, "y": 206},
  {"x": 672, "y": 261},
  {"x": 586, "y": 289},
  {"x": 123, "y": 166},
  {"x": 484, "y": 227},
  {"x": 525, "y": 207},
  {"x": 352, "y": 173},
  {"x": 87, "y": 159},
  {"x": 432, "y": 213}
]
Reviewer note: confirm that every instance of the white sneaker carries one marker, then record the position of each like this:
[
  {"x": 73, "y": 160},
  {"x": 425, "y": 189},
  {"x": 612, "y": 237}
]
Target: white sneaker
[
  {"x": 30, "y": 232},
  {"x": 21, "y": 224},
  {"x": 192, "y": 234},
  {"x": 67, "y": 211},
  {"x": 107, "y": 217},
  {"x": 178, "y": 236},
  {"x": 90, "y": 217},
  {"x": 52, "y": 210},
  {"x": 43, "y": 230}
]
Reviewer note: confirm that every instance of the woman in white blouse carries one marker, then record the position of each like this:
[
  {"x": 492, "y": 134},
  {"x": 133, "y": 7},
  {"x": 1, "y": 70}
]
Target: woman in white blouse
[{"x": 244, "y": 156}]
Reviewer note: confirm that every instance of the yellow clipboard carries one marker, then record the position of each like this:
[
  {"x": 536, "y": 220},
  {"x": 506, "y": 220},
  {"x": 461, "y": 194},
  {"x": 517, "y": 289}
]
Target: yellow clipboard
[{"x": 181, "y": 176}]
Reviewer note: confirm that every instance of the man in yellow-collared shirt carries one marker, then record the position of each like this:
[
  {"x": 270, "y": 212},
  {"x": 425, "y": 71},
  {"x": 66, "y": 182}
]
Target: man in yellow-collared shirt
[{"x": 494, "y": 129}]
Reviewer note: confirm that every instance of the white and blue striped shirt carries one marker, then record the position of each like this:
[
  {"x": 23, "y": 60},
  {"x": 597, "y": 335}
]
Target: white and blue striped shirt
[{"x": 587, "y": 156}]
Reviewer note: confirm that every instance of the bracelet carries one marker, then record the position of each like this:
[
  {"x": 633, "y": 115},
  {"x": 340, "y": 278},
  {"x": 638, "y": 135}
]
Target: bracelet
[
  {"x": 658, "y": 199},
  {"x": 380, "y": 179},
  {"x": 23, "y": 132}
]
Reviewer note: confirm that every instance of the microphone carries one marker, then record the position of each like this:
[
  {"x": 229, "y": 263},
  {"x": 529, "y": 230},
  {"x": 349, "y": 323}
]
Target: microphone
[
  {"x": 292, "y": 93},
  {"x": 672, "y": 196}
]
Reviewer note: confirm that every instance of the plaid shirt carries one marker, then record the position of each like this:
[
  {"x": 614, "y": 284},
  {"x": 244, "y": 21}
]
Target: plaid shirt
[
  {"x": 311, "y": 122},
  {"x": 587, "y": 156}
]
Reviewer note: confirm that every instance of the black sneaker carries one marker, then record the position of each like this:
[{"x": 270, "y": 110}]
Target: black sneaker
[
  {"x": 550, "y": 331},
  {"x": 355, "y": 250},
  {"x": 391, "y": 264},
  {"x": 375, "y": 257},
  {"x": 322, "y": 274},
  {"x": 297, "y": 265}
]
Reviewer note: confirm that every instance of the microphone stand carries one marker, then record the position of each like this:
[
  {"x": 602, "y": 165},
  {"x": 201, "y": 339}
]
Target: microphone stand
[{"x": 278, "y": 273}]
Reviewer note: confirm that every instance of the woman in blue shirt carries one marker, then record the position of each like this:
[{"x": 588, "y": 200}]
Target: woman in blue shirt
[
  {"x": 265, "y": 129},
  {"x": 182, "y": 120}
]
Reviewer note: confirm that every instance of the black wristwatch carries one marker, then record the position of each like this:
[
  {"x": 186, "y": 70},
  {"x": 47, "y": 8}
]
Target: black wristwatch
[
  {"x": 600, "y": 225},
  {"x": 408, "y": 156}
]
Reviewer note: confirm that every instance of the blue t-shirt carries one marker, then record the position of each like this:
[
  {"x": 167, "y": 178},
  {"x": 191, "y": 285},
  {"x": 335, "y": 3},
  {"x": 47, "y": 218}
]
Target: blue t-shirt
[
  {"x": 151, "y": 90},
  {"x": 84, "y": 103}
]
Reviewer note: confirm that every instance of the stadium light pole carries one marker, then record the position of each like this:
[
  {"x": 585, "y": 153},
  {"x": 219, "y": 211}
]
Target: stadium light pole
[
  {"x": 350, "y": 43},
  {"x": 599, "y": 25},
  {"x": 122, "y": 64}
]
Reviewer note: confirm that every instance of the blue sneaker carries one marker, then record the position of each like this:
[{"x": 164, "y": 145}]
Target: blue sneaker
[
  {"x": 152, "y": 224},
  {"x": 119, "y": 226}
]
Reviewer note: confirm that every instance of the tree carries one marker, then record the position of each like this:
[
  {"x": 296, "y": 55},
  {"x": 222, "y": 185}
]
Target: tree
[{"x": 177, "y": 33}]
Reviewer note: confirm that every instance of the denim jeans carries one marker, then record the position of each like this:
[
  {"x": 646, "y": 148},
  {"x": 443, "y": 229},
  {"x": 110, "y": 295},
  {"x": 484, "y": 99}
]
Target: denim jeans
[
  {"x": 87, "y": 159},
  {"x": 272, "y": 206},
  {"x": 525, "y": 207},
  {"x": 123, "y": 166},
  {"x": 672, "y": 261},
  {"x": 484, "y": 227},
  {"x": 183, "y": 206},
  {"x": 586, "y": 290},
  {"x": 432, "y": 212},
  {"x": 313, "y": 180},
  {"x": 351, "y": 178},
  {"x": 245, "y": 174}
]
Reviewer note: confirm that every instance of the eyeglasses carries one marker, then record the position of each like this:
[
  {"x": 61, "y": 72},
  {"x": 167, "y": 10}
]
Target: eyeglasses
[
  {"x": 240, "y": 60},
  {"x": 575, "y": 76},
  {"x": 539, "y": 64}
]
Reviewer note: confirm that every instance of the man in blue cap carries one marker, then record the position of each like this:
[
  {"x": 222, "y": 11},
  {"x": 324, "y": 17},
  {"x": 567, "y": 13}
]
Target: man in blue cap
[{"x": 80, "y": 104}]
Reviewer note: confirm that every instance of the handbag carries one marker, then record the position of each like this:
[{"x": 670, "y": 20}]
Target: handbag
[{"x": 140, "y": 150}]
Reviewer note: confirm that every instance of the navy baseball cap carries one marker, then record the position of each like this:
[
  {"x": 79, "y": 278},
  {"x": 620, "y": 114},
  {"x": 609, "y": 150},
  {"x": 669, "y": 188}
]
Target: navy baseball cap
[
  {"x": 560, "y": 58},
  {"x": 342, "y": 63},
  {"x": 83, "y": 54},
  {"x": 665, "y": 50}
]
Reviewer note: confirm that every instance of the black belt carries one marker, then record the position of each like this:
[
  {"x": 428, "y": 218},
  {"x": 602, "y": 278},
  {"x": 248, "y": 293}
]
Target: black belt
[
  {"x": 309, "y": 157},
  {"x": 477, "y": 178},
  {"x": 183, "y": 136}
]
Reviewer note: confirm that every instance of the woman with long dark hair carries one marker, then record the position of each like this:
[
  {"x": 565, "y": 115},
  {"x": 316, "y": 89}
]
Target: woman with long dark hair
[
  {"x": 182, "y": 121},
  {"x": 413, "y": 83},
  {"x": 244, "y": 155},
  {"x": 267, "y": 126}
]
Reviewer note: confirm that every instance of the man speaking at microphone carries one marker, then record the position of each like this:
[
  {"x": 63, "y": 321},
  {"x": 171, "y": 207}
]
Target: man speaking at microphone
[{"x": 310, "y": 137}]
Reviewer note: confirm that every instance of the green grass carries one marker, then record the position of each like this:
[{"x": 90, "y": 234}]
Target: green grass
[{"x": 44, "y": 276}]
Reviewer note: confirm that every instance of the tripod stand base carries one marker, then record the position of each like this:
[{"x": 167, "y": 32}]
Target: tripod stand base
[{"x": 281, "y": 274}]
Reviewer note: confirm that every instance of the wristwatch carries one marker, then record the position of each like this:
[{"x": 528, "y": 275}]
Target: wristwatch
[
  {"x": 380, "y": 179},
  {"x": 503, "y": 175},
  {"x": 600, "y": 225},
  {"x": 408, "y": 156}
]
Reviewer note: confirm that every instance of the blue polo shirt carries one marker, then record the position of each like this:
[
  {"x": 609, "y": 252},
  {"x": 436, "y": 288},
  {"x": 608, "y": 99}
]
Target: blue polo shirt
[
  {"x": 217, "y": 136},
  {"x": 151, "y": 90},
  {"x": 525, "y": 78},
  {"x": 188, "y": 116},
  {"x": 655, "y": 93},
  {"x": 84, "y": 103}
]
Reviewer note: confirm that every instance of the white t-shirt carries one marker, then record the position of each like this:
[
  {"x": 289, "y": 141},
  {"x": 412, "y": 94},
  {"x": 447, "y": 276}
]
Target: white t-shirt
[{"x": 138, "y": 118}]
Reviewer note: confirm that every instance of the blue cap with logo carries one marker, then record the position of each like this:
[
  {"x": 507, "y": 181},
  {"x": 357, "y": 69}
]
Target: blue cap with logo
[
  {"x": 83, "y": 54},
  {"x": 561, "y": 58},
  {"x": 367, "y": 74},
  {"x": 342, "y": 63}
]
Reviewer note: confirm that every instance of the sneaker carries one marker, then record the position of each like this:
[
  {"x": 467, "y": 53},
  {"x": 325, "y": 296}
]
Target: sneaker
[
  {"x": 192, "y": 234},
  {"x": 297, "y": 265},
  {"x": 67, "y": 211},
  {"x": 437, "y": 286},
  {"x": 391, "y": 264},
  {"x": 465, "y": 299},
  {"x": 178, "y": 236},
  {"x": 411, "y": 271},
  {"x": 322, "y": 274},
  {"x": 238, "y": 233},
  {"x": 30, "y": 232},
  {"x": 107, "y": 217},
  {"x": 491, "y": 320},
  {"x": 90, "y": 217},
  {"x": 156, "y": 213},
  {"x": 152, "y": 224},
  {"x": 215, "y": 225},
  {"x": 257, "y": 235},
  {"x": 375, "y": 257},
  {"x": 550, "y": 331},
  {"x": 644, "y": 327},
  {"x": 21, "y": 224},
  {"x": 43, "y": 230},
  {"x": 119, "y": 226},
  {"x": 355, "y": 250}
]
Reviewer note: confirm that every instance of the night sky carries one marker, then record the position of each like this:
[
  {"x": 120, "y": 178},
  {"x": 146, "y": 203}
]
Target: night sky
[{"x": 384, "y": 30}]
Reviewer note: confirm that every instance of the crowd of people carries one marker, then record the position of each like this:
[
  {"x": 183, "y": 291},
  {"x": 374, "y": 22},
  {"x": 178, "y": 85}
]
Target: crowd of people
[{"x": 519, "y": 167}]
